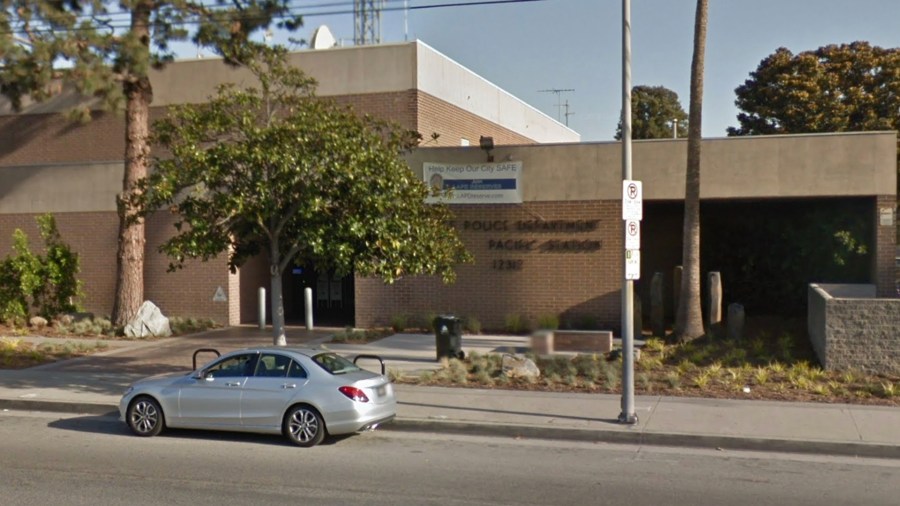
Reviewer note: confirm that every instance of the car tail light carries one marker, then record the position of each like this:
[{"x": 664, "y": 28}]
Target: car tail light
[{"x": 354, "y": 393}]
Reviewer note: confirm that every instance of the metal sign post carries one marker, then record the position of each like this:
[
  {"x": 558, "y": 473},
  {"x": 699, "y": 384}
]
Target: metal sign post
[{"x": 631, "y": 211}]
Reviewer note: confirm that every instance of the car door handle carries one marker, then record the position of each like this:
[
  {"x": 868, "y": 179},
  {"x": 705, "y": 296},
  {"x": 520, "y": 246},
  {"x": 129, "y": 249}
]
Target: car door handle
[
  {"x": 232, "y": 384},
  {"x": 289, "y": 385}
]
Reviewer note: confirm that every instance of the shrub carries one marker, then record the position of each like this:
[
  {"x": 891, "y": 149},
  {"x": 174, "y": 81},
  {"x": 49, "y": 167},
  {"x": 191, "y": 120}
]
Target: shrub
[
  {"x": 548, "y": 322},
  {"x": 643, "y": 380},
  {"x": 399, "y": 322},
  {"x": 181, "y": 326},
  {"x": 612, "y": 377},
  {"x": 587, "y": 323},
  {"x": 47, "y": 283},
  {"x": 426, "y": 321},
  {"x": 515, "y": 324},
  {"x": 761, "y": 375},
  {"x": 589, "y": 366},
  {"x": 702, "y": 380},
  {"x": 472, "y": 325}
]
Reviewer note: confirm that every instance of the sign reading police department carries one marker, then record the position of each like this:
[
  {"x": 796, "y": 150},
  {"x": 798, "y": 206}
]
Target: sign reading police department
[{"x": 475, "y": 183}]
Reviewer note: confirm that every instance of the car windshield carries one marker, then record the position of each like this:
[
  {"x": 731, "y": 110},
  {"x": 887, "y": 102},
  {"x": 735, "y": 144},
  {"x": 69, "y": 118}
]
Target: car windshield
[{"x": 335, "y": 364}]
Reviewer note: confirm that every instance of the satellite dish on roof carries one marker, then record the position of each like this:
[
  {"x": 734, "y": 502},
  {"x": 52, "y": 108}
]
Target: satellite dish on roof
[{"x": 322, "y": 38}]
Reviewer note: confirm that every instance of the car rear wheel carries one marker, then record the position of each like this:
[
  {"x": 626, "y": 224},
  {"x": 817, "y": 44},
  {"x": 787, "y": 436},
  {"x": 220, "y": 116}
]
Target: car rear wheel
[
  {"x": 145, "y": 417},
  {"x": 304, "y": 426}
]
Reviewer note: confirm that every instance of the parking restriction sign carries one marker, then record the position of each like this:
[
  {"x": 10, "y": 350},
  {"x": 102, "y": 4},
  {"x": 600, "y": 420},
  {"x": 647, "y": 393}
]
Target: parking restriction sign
[
  {"x": 632, "y": 234},
  {"x": 632, "y": 200},
  {"x": 632, "y": 264}
]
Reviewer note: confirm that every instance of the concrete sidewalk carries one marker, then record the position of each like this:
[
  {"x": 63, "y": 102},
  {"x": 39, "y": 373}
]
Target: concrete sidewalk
[{"x": 93, "y": 385}]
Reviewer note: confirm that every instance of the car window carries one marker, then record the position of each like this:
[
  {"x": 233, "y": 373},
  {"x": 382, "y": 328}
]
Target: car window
[
  {"x": 296, "y": 371},
  {"x": 272, "y": 365},
  {"x": 335, "y": 364},
  {"x": 233, "y": 367}
]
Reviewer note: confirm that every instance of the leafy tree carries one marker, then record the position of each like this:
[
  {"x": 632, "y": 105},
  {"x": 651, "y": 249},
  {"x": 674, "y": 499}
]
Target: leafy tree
[
  {"x": 836, "y": 88},
  {"x": 105, "y": 50},
  {"x": 275, "y": 170},
  {"x": 688, "y": 317},
  {"x": 653, "y": 108}
]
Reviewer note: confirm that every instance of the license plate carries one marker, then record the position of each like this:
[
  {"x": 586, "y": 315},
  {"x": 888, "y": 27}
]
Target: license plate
[{"x": 381, "y": 391}]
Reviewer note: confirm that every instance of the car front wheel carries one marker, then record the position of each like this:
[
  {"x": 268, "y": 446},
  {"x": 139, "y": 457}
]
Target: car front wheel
[
  {"x": 303, "y": 425},
  {"x": 145, "y": 417}
]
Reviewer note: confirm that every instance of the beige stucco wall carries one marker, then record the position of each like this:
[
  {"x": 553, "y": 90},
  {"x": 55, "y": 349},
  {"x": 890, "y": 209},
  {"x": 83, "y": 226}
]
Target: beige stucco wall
[
  {"x": 60, "y": 188},
  {"x": 847, "y": 164}
]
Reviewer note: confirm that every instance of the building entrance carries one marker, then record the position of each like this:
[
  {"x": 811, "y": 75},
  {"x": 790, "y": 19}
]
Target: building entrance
[{"x": 332, "y": 297}]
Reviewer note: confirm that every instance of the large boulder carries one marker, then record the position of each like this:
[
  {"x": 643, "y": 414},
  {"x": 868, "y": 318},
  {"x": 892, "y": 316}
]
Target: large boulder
[
  {"x": 518, "y": 366},
  {"x": 149, "y": 322}
]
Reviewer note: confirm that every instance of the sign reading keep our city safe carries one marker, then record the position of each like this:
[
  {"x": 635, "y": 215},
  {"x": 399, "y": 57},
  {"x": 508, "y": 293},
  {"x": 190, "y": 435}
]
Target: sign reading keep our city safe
[{"x": 475, "y": 183}]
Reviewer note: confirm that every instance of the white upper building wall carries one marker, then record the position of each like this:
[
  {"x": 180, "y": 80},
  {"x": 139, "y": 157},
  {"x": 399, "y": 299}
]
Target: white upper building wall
[{"x": 438, "y": 75}]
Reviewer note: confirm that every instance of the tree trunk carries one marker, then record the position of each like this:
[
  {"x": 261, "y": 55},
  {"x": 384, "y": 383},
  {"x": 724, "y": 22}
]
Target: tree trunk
[
  {"x": 130, "y": 255},
  {"x": 689, "y": 319},
  {"x": 277, "y": 305}
]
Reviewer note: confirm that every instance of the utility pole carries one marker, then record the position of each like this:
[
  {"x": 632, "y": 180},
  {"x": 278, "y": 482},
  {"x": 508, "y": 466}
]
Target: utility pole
[
  {"x": 632, "y": 189},
  {"x": 559, "y": 105}
]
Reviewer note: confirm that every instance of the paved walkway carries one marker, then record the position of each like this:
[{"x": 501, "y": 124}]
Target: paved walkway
[{"x": 93, "y": 385}]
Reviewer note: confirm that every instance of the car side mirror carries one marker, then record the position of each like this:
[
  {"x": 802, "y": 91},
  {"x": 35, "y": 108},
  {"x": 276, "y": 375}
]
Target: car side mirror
[{"x": 202, "y": 375}]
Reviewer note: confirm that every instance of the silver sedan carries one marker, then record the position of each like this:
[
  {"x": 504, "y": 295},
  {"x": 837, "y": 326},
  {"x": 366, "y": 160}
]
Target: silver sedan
[{"x": 301, "y": 393}]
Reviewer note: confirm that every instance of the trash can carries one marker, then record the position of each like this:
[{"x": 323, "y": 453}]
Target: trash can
[{"x": 448, "y": 337}]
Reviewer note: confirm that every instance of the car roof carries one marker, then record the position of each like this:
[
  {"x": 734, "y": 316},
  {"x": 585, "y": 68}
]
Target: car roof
[{"x": 309, "y": 352}]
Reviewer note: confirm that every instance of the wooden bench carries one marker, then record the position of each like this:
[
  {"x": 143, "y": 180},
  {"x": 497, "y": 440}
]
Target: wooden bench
[{"x": 547, "y": 342}]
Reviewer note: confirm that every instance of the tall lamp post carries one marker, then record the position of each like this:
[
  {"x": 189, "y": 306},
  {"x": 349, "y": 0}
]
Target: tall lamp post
[{"x": 627, "y": 415}]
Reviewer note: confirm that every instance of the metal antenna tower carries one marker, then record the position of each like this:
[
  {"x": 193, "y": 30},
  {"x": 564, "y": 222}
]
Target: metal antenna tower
[
  {"x": 367, "y": 21},
  {"x": 559, "y": 105}
]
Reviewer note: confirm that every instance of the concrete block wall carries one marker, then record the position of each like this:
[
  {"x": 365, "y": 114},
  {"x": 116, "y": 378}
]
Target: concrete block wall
[
  {"x": 850, "y": 329},
  {"x": 885, "y": 269},
  {"x": 517, "y": 271}
]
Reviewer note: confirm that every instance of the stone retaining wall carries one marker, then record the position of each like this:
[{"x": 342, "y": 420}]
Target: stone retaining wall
[{"x": 850, "y": 328}]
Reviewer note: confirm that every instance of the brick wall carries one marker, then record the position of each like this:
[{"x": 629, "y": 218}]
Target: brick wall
[
  {"x": 427, "y": 114},
  {"x": 93, "y": 236},
  {"x": 854, "y": 330},
  {"x": 187, "y": 292},
  {"x": 580, "y": 285},
  {"x": 453, "y": 124},
  {"x": 89, "y": 235}
]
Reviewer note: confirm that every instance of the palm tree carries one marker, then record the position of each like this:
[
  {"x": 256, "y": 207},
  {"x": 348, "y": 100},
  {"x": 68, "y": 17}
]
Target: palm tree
[{"x": 689, "y": 319}]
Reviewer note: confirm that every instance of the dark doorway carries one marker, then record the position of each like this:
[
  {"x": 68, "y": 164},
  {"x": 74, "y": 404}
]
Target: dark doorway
[{"x": 332, "y": 297}]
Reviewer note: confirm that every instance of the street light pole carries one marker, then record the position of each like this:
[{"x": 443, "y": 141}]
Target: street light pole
[{"x": 627, "y": 415}]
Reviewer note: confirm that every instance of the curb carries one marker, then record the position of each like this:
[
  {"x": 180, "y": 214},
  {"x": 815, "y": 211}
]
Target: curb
[
  {"x": 722, "y": 443},
  {"x": 623, "y": 437},
  {"x": 78, "y": 408}
]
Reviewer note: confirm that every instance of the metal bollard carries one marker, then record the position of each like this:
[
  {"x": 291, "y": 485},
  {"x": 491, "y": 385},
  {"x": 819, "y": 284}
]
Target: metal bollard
[
  {"x": 308, "y": 307},
  {"x": 262, "y": 308}
]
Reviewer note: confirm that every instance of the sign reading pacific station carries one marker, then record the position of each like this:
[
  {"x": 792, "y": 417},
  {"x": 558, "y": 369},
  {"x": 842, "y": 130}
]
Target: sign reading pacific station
[{"x": 475, "y": 183}]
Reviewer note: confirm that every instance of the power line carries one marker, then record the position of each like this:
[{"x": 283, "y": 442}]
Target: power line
[{"x": 298, "y": 10}]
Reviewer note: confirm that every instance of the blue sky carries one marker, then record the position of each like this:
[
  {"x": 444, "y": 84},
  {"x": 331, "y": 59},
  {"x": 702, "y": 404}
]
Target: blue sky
[{"x": 531, "y": 46}]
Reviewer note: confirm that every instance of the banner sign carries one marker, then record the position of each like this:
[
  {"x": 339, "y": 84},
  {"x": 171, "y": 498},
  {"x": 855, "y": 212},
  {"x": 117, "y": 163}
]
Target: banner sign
[{"x": 476, "y": 183}]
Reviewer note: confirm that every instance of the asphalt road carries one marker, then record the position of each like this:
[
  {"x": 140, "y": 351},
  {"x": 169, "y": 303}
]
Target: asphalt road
[{"x": 87, "y": 460}]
